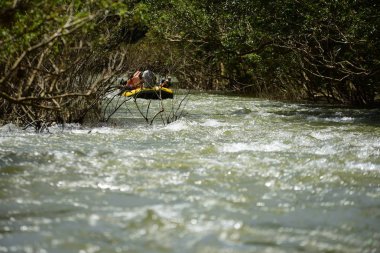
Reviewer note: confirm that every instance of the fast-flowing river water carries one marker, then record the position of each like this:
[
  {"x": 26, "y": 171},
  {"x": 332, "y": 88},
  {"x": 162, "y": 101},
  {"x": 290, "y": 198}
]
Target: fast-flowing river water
[{"x": 233, "y": 175}]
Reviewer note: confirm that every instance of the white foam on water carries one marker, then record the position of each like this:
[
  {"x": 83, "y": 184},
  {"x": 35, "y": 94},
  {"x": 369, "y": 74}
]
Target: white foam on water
[
  {"x": 80, "y": 131},
  {"x": 275, "y": 146},
  {"x": 333, "y": 119},
  {"x": 113, "y": 187},
  {"x": 363, "y": 166},
  {"x": 9, "y": 128},
  {"x": 322, "y": 136},
  {"x": 212, "y": 123},
  {"x": 325, "y": 150},
  {"x": 341, "y": 119},
  {"x": 105, "y": 130},
  {"x": 178, "y": 125}
]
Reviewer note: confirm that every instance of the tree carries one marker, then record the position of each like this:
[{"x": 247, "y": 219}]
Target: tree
[
  {"x": 336, "y": 44},
  {"x": 57, "y": 59},
  {"x": 289, "y": 48}
]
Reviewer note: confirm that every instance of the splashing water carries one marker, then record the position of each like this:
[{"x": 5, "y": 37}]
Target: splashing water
[{"x": 234, "y": 175}]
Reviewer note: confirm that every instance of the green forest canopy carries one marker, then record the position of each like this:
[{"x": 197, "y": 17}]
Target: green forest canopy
[{"x": 59, "y": 58}]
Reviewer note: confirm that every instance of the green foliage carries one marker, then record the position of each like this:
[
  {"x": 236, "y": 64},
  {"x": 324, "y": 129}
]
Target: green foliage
[
  {"x": 32, "y": 20},
  {"x": 327, "y": 47}
]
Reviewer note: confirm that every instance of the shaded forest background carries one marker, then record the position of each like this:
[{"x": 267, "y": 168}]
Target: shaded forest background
[{"x": 59, "y": 58}]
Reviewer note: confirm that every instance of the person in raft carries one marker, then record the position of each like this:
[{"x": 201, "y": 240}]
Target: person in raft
[
  {"x": 166, "y": 83},
  {"x": 149, "y": 79},
  {"x": 134, "y": 81},
  {"x": 146, "y": 79}
]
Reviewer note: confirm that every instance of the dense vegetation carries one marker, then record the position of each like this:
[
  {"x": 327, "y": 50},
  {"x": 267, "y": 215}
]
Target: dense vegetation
[
  {"x": 59, "y": 58},
  {"x": 286, "y": 49}
]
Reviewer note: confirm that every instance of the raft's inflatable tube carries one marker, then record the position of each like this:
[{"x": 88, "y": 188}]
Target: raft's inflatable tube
[{"x": 150, "y": 93}]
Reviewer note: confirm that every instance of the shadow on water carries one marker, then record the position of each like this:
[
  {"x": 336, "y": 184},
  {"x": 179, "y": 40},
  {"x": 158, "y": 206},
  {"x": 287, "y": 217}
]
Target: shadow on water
[
  {"x": 328, "y": 113},
  {"x": 23, "y": 214},
  {"x": 13, "y": 159},
  {"x": 12, "y": 170},
  {"x": 242, "y": 111}
]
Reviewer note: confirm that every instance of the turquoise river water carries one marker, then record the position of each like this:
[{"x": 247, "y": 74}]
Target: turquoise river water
[{"x": 233, "y": 175}]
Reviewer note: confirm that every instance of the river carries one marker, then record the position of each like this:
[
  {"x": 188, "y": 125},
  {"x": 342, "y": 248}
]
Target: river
[{"x": 233, "y": 175}]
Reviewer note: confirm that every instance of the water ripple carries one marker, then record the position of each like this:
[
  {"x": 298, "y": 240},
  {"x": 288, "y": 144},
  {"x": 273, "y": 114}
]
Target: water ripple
[{"x": 235, "y": 175}]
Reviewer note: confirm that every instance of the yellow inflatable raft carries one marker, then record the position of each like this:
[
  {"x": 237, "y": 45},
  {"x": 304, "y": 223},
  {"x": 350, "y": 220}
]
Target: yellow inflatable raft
[{"x": 150, "y": 93}]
